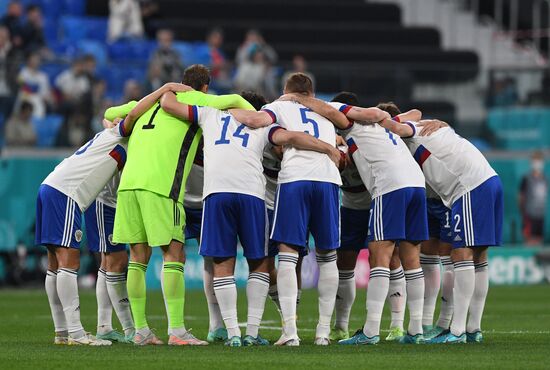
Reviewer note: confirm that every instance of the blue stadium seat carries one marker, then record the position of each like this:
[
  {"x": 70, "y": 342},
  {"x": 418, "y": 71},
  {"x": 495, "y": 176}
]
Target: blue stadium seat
[
  {"x": 46, "y": 129},
  {"x": 52, "y": 8},
  {"x": 201, "y": 54},
  {"x": 53, "y": 70},
  {"x": 95, "y": 48},
  {"x": 50, "y": 30},
  {"x": 75, "y": 28},
  {"x": 131, "y": 50},
  {"x": 186, "y": 51},
  {"x": 73, "y": 7}
]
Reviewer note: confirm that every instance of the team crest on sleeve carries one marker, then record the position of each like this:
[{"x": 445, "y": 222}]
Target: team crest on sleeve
[{"x": 78, "y": 235}]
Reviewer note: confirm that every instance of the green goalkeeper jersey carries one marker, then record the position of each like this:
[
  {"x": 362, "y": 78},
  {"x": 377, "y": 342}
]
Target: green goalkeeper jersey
[{"x": 162, "y": 147}]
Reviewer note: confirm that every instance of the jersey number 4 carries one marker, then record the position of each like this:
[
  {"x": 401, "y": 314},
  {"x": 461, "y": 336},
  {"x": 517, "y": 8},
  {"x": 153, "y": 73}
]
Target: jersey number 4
[{"x": 238, "y": 133}]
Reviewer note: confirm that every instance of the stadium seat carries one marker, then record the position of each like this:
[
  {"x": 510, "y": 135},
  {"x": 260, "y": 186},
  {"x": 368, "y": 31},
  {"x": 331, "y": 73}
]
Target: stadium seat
[
  {"x": 46, "y": 129},
  {"x": 131, "y": 50},
  {"x": 75, "y": 29},
  {"x": 53, "y": 70},
  {"x": 52, "y": 9},
  {"x": 185, "y": 50},
  {"x": 95, "y": 48},
  {"x": 72, "y": 7}
]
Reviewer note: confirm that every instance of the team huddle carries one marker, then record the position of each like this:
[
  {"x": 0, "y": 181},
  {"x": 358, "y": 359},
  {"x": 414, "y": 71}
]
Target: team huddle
[{"x": 183, "y": 164}]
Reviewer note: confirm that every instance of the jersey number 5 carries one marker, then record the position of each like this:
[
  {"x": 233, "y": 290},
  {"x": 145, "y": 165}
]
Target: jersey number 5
[
  {"x": 238, "y": 133},
  {"x": 306, "y": 120}
]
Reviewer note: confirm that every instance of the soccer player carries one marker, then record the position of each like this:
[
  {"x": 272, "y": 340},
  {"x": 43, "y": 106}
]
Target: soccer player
[
  {"x": 307, "y": 199},
  {"x": 150, "y": 212},
  {"x": 467, "y": 184},
  {"x": 234, "y": 205},
  {"x": 69, "y": 190},
  {"x": 397, "y": 186}
]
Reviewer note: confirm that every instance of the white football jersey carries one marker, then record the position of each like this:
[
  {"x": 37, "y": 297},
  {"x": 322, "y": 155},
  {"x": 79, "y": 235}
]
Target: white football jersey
[
  {"x": 354, "y": 192},
  {"x": 272, "y": 166},
  {"x": 382, "y": 158},
  {"x": 84, "y": 174},
  {"x": 195, "y": 182},
  {"x": 232, "y": 154},
  {"x": 108, "y": 195},
  {"x": 297, "y": 164},
  {"x": 452, "y": 165}
]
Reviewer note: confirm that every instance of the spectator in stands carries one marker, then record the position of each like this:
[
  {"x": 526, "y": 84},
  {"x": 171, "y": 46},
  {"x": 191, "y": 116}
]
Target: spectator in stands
[
  {"x": 299, "y": 64},
  {"x": 150, "y": 13},
  {"x": 132, "y": 91},
  {"x": 255, "y": 74},
  {"x": 100, "y": 103},
  {"x": 73, "y": 84},
  {"x": 124, "y": 20},
  {"x": 154, "y": 78},
  {"x": 252, "y": 41},
  {"x": 13, "y": 20},
  {"x": 532, "y": 201},
  {"x": 19, "y": 129},
  {"x": 503, "y": 93},
  {"x": 167, "y": 57},
  {"x": 219, "y": 68},
  {"x": 35, "y": 86},
  {"x": 10, "y": 58},
  {"x": 33, "y": 31}
]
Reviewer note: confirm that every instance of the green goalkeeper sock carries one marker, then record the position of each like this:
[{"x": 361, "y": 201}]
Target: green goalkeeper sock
[
  {"x": 174, "y": 293},
  {"x": 137, "y": 293}
]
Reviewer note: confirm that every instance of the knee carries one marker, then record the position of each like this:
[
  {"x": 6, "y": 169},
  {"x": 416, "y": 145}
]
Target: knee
[{"x": 116, "y": 262}]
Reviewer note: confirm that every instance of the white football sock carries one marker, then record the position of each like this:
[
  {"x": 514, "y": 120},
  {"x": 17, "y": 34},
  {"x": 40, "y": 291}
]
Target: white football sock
[
  {"x": 56, "y": 307},
  {"x": 287, "y": 284},
  {"x": 226, "y": 293},
  {"x": 345, "y": 297},
  {"x": 256, "y": 294},
  {"x": 430, "y": 267},
  {"x": 377, "y": 292},
  {"x": 447, "y": 285},
  {"x": 214, "y": 314},
  {"x": 415, "y": 299},
  {"x": 67, "y": 289},
  {"x": 478, "y": 299},
  {"x": 116, "y": 286},
  {"x": 463, "y": 291},
  {"x": 104, "y": 306},
  {"x": 397, "y": 295},
  {"x": 298, "y": 296},
  {"x": 327, "y": 288}
]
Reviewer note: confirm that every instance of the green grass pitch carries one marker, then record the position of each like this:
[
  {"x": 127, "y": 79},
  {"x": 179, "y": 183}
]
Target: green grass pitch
[{"x": 516, "y": 324}]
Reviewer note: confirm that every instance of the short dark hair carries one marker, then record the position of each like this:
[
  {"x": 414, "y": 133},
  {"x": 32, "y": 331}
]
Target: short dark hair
[
  {"x": 389, "y": 107},
  {"x": 196, "y": 76},
  {"x": 257, "y": 100},
  {"x": 299, "y": 83},
  {"x": 32, "y": 8},
  {"x": 26, "y": 106},
  {"x": 346, "y": 97}
]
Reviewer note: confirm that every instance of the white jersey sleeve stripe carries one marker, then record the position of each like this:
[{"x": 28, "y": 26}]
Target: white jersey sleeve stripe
[{"x": 275, "y": 212}]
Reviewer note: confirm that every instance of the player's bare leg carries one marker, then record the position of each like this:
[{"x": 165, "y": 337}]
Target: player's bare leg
[
  {"x": 429, "y": 260},
  {"x": 226, "y": 294},
  {"x": 477, "y": 304},
  {"x": 56, "y": 308},
  {"x": 115, "y": 265},
  {"x": 287, "y": 284},
  {"x": 397, "y": 297},
  {"x": 345, "y": 296},
  {"x": 174, "y": 294},
  {"x": 409, "y": 253},
  {"x": 68, "y": 260},
  {"x": 104, "y": 305},
  {"x": 273, "y": 291},
  {"x": 216, "y": 328},
  {"x": 256, "y": 294}
]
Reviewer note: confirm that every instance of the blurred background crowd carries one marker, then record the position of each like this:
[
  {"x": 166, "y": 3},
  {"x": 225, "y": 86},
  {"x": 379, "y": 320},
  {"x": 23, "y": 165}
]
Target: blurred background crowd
[{"x": 481, "y": 65}]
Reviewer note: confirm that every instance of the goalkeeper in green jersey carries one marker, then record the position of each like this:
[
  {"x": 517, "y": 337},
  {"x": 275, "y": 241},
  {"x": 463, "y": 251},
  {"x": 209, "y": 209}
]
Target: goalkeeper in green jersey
[{"x": 150, "y": 211}]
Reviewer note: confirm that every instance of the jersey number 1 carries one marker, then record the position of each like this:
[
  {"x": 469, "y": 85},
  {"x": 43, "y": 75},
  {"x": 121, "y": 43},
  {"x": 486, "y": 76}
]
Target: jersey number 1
[{"x": 238, "y": 133}]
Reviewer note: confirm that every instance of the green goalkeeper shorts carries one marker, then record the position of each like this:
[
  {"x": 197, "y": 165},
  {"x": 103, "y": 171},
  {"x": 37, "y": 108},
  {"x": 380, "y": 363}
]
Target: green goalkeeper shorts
[{"x": 146, "y": 217}]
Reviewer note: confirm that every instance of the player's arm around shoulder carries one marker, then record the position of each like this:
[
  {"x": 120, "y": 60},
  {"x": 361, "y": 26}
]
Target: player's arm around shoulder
[
  {"x": 148, "y": 101},
  {"x": 300, "y": 140},
  {"x": 337, "y": 117},
  {"x": 229, "y": 101},
  {"x": 405, "y": 130},
  {"x": 253, "y": 119}
]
